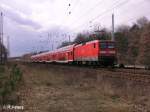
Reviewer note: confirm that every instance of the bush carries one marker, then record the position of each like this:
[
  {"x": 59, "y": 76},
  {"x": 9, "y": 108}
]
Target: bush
[
  {"x": 2, "y": 69},
  {"x": 9, "y": 82}
]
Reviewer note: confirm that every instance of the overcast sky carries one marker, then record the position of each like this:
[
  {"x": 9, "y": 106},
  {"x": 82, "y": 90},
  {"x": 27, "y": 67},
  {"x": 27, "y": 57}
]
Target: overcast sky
[{"x": 28, "y": 22}]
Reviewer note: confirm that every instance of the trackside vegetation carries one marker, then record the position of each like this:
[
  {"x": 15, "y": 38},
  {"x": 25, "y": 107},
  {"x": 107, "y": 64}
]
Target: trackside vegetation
[{"x": 10, "y": 78}]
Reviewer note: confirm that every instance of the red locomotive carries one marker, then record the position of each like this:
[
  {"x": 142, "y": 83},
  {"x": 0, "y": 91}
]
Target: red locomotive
[{"x": 95, "y": 52}]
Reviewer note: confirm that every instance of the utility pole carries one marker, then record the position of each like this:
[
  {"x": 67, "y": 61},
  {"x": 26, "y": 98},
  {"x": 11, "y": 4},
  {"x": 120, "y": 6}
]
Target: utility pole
[
  {"x": 50, "y": 41},
  {"x": 1, "y": 38},
  {"x": 8, "y": 47},
  {"x": 113, "y": 37},
  {"x": 69, "y": 38},
  {"x": 98, "y": 28}
]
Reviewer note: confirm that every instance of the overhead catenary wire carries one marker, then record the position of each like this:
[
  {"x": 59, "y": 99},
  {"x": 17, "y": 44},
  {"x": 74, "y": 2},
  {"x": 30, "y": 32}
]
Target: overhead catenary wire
[
  {"x": 92, "y": 8},
  {"x": 133, "y": 18},
  {"x": 67, "y": 11},
  {"x": 109, "y": 10},
  {"x": 75, "y": 5},
  {"x": 89, "y": 10},
  {"x": 100, "y": 2},
  {"x": 104, "y": 12},
  {"x": 136, "y": 8}
]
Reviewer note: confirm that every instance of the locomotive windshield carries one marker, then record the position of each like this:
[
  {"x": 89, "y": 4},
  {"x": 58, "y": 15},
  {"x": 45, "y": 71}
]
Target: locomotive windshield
[
  {"x": 110, "y": 45},
  {"x": 105, "y": 45}
]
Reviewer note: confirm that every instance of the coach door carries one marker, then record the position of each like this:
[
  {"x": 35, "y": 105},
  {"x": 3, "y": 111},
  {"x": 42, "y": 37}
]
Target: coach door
[{"x": 70, "y": 54}]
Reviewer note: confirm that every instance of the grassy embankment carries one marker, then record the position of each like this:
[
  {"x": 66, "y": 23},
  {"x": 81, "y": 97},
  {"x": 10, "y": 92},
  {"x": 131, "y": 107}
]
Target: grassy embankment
[
  {"x": 62, "y": 89},
  {"x": 52, "y": 88}
]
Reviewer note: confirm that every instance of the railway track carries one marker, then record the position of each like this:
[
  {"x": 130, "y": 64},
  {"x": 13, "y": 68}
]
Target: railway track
[
  {"x": 134, "y": 75},
  {"x": 133, "y": 71},
  {"x": 138, "y": 75}
]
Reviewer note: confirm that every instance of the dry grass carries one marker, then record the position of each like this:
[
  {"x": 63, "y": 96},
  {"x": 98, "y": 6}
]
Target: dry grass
[{"x": 62, "y": 89}]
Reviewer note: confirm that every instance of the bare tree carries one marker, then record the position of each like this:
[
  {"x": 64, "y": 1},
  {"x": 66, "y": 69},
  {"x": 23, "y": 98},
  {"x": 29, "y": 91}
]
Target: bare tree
[{"x": 142, "y": 22}]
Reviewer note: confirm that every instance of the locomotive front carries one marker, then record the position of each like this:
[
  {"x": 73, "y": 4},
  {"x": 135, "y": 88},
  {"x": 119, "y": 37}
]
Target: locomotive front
[{"x": 107, "y": 52}]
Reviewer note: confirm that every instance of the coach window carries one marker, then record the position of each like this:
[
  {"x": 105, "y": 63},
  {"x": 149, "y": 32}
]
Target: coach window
[{"x": 94, "y": 45}]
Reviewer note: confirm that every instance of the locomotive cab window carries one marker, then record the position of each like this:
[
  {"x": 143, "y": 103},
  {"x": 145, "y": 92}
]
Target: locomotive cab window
[
  {"x": 103, "y": 45},
  {"x": 111, "y": 45}
]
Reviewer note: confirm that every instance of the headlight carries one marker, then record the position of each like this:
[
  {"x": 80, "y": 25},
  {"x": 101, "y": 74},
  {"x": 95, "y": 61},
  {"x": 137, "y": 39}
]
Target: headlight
[
  {"x": 112, "y": 52},
  {"x": 102, "y": 52}
]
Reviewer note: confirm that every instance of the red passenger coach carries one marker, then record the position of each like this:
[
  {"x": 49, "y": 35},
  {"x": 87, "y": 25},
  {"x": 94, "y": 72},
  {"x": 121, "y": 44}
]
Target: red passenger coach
[
  {"x": 61, "y": 55},
  {"x": 64, "y": 54}
]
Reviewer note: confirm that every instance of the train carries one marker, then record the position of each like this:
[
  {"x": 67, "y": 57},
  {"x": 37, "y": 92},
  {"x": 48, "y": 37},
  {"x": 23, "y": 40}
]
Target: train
[{"x": 96, "y": 52}]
